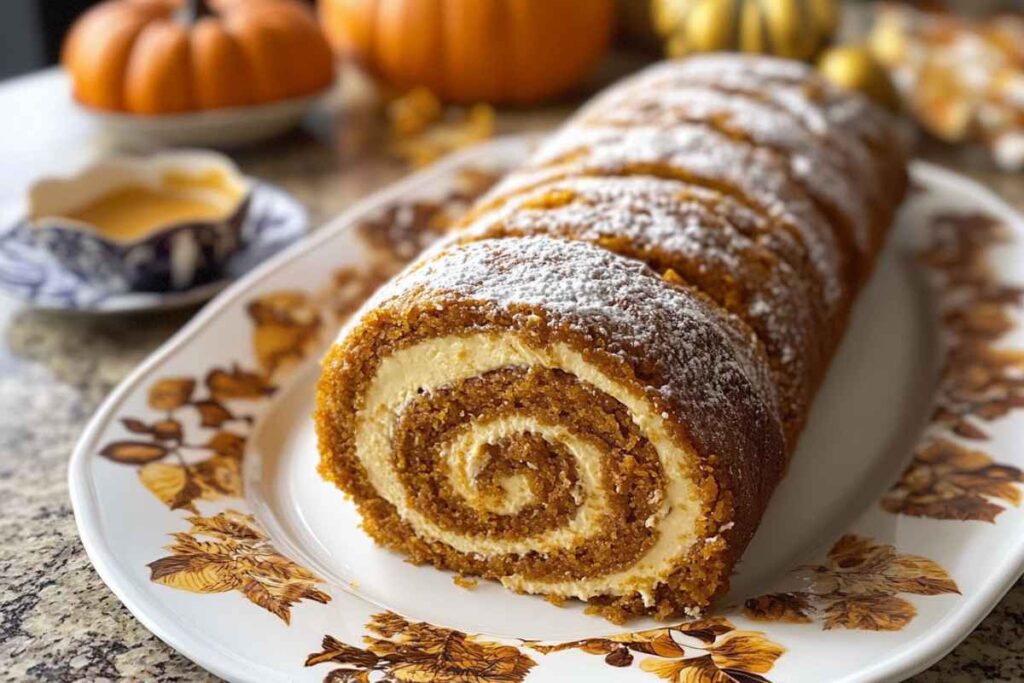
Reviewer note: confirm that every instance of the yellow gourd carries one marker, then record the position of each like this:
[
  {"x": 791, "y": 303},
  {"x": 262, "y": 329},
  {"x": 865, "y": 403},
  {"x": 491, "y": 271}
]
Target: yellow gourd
[
  {"x": 797, "y": 29},
  {"x": 853, "y": 67}
]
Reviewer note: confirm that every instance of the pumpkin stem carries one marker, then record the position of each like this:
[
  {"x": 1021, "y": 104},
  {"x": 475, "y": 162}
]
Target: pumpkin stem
[{"x": 194, "y": 10}]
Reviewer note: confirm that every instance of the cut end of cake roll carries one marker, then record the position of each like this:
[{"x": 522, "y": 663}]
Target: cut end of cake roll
[{"x": 557, "y": 417}]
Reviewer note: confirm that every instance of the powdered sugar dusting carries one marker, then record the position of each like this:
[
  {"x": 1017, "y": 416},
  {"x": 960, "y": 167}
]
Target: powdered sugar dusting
[
  {"x": 706, "y": 155},
  {"x": 834, "y": 111},
  {"x": 663, "y": 213},
  {"x": 824, "y": 172},
  {"x": 850, "y": 122},
  {"x": 619, "y": 303},
  {"x": 688, "y": 228},
  {"x": 701, "y": 223}
]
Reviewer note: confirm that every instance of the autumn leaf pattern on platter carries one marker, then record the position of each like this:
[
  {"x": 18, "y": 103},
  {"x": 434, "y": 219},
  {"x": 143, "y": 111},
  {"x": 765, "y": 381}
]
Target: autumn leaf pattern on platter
[
  {"x": 178, "y": 467},
  {"x": 401, "y": 231},
  {"x": 858, "y": 587},
  {"x": 708, "y": 650},
  {"x": 191, "y": 449},
  {"x": 410, "y": 651},
  {"x": 395, "y": 235},
  {"x": 946, "y": 480},
  {"x": 980, "y": 381},
  {"x": 286, "y": 328},
  {"x": 228, "y": 552}
]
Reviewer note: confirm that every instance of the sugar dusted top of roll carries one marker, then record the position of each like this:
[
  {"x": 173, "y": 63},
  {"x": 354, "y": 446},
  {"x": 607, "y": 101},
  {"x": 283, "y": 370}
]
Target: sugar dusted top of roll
[
  {"x": 699, "y": 352},
  {"x": 699, "y": 152},
  {"x": 810, "y": 157},
  {"x": 822, "y": 106},
  {"x": 647, "y": 210}
]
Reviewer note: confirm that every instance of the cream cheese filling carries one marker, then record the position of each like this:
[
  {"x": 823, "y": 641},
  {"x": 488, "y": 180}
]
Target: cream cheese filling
[{"x": 435, "y": 363}]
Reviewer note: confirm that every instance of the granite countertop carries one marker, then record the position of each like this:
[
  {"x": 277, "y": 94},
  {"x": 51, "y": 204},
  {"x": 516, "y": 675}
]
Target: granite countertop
[{"x": 58, "y": 621}]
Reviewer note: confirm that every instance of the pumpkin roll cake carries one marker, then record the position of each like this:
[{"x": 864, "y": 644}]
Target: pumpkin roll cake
[{"x": 592, "y": 387}]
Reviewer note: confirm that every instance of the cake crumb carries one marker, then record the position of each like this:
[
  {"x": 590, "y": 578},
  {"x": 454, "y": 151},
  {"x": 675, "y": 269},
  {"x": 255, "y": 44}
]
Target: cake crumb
[
  {"x": 556, "y": 600},
  {"x": 465, "y": 582}
]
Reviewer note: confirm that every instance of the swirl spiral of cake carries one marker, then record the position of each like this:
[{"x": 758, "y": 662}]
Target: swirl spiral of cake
[{"x": 592, "y": 387}]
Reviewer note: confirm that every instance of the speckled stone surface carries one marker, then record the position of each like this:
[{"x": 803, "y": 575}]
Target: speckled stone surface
[{"x": 58, "y": 621}]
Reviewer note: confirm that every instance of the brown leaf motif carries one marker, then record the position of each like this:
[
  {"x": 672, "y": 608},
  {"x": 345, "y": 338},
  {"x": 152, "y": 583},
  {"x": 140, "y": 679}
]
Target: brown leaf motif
[
  {"x": 238, "y": 385},
  {"x": 213, "y": 413},
  {"x": 980, "y": 381},
  {"x": 228, "y": 552},
  {"x": 868, "y": 612},
  {"x": 945, "y": 480},
  {"x": 859, "y": 565},
  {"x": 402, "y": 650},
  {"x": 171, "y": 393},
  {"x": 857, "y": 587},
  {"x": 179, "y": 486},
  {"x": 133, "y": 452},
  {"x": 227, "y": 443},
  {"x": 792, "y": 608},
  {"x": 286, "y": 326},
  {"x": 161, "y": 430},
  {"x": 705, "y": 651}
]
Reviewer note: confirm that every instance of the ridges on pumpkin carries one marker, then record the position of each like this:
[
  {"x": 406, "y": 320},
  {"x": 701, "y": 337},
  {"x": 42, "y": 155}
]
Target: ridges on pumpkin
[
  {"x": 467, "y": 51},
  {"x": 152, "y": 57}
]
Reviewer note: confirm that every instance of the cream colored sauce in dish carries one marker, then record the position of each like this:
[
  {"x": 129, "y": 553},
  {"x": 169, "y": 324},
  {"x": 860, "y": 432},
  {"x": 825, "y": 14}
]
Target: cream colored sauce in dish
[{"x": 134, "y": 211}]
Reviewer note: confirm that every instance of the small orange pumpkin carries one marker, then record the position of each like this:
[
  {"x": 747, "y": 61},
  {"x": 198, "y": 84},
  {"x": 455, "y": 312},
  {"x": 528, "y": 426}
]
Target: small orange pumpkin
[
  {"x": 166, "y": 56},
  {"x": 499, "y": 51}
]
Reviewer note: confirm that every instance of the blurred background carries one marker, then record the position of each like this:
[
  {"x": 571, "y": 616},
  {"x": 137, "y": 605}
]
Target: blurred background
[
  {"x": 331, "y": 99},
  {"x": 31, "y": 32}
]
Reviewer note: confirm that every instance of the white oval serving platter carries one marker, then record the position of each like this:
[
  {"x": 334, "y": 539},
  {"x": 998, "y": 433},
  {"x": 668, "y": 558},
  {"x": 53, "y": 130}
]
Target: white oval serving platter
[{"x": 196, "y": 496}]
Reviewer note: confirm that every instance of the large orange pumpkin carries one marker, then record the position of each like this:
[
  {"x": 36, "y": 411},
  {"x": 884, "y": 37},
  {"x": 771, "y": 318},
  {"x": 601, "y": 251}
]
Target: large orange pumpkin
[
  {"x": 165, "y": 56},
  {"x": 501, "y": 51}
]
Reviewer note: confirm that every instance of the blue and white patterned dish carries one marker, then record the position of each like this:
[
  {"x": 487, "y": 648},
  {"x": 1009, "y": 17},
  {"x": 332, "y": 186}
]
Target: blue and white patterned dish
[
  {"x": 172, "y": 255},
  {"x": 32, "y": 271}
]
